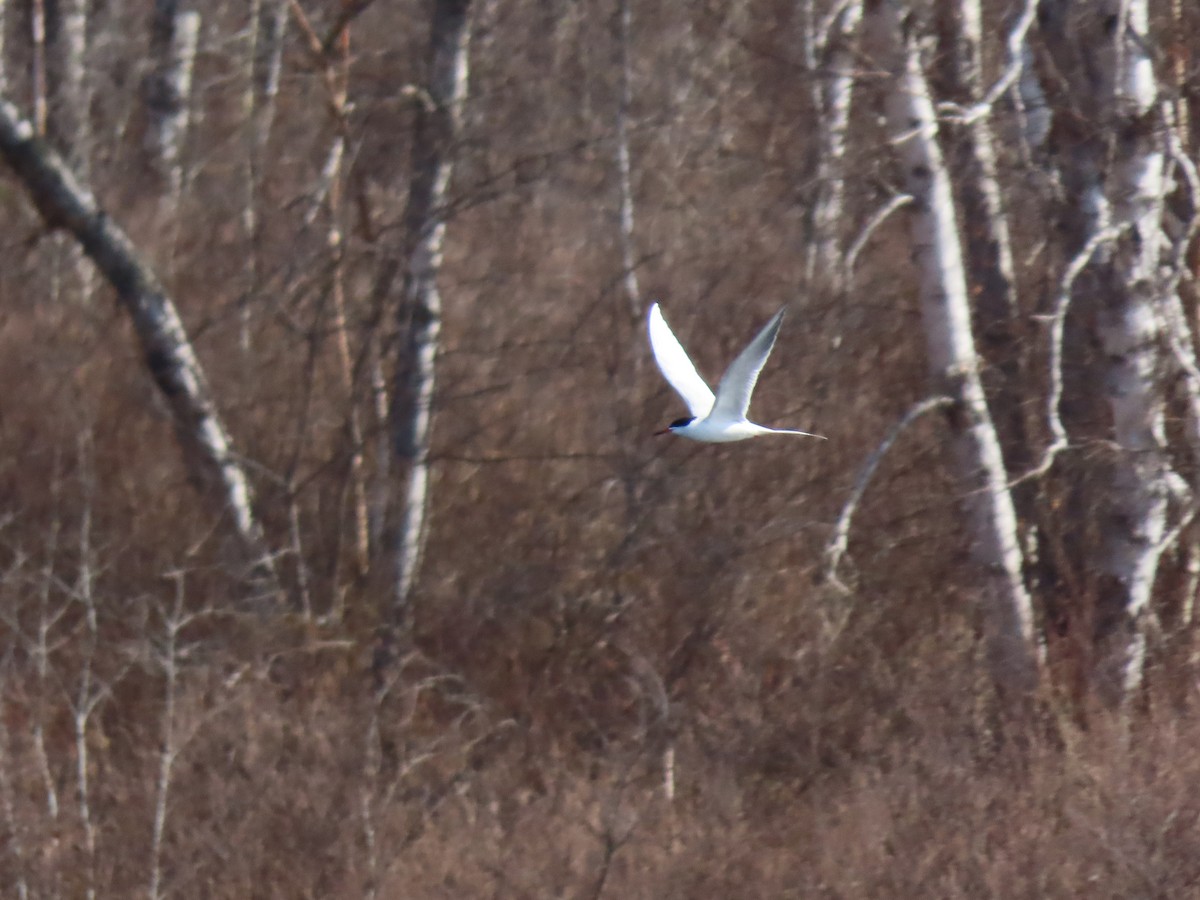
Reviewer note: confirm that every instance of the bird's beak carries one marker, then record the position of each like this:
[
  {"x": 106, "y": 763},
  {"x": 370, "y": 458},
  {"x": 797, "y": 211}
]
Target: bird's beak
[{"x": 664, "y": 431}]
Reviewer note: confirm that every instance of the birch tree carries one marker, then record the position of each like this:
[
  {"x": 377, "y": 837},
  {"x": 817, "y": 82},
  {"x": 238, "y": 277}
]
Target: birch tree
[
  {"x": 986, "y": 239},
  {"x": 439, "y": 118},
  {"x": 830, "y": 55},
  {"x": 1115, "y": 172},
  {"x": 166, "y": 349},
  {"x": 68, "y": 123},
  {"x": 174, "y": 35},
  {"x": 66, "y": 82},
  {"x": 633, "y": 293},
  {"x": 1005, "y": 605}
]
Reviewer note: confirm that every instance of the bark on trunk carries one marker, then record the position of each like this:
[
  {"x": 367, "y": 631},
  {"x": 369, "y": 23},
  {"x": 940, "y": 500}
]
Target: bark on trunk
[
  {"x": 633, "y": 292},
  {"x": 1131, "y": 334},
  {"x": 1117, "y": 174},
  {"x": 335, "y": 172},
  {"x": 833, "y": 59},
  {"x": 1004, "y": 603},
  {"x": 168, "y": 354},
  {"x": 972, "y": 156},
  {"x": 173, "y": 39},
  {"x": 437, "y": 129},
  {"x": 68, "y": 101},
  {"x": 37, "y": 29},
  {"x": 66, "y": 82}
]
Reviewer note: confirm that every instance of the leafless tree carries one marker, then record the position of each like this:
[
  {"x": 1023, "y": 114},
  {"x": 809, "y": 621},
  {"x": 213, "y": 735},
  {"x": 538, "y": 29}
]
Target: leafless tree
[
  {"x": 174, "y": 35},
  {"x": 167, "y": 352},
  {"x": 617, "y": 658},
  {"x": 1005, "y": 604},
  {"x": 1113, "y": 163},
  {"x": 831, "y": 50},
  {"x": 68, "y": 120},
  {"x": 989, "y": 256},
  {"x": 439, "y": 117}
]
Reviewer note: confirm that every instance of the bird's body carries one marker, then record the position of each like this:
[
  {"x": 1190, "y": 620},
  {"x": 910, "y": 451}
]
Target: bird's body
[
  {"x": 719, "y": 418},
  {"x": 721, "y": 432}
]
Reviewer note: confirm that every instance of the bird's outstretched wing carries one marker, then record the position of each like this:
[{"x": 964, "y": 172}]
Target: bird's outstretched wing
[
  {"x": 677, "y": 368},
  {"x": 737, "y": 384}
]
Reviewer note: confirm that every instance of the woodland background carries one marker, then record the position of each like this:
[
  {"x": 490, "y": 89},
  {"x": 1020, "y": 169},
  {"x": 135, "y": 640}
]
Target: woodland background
[{"x": 503, "y": 642}]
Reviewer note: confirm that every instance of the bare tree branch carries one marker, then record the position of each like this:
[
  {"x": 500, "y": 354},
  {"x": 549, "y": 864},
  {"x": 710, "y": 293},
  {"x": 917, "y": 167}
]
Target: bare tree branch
[
  {"x": 835, "y": 549},
  {"x": 953, "y": 362},
  {"x": 832, "y": 61},
  {"x": 168, "y": 354},
  {"x": 1013, "y": 69},
  {"x": 1058, "y": 432},
  {"x": 899, "y": 201}
]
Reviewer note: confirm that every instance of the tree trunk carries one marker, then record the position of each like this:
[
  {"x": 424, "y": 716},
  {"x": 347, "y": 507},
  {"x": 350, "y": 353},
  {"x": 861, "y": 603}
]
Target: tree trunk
[
  {"x": 832, "y": 59},
  {"x": 173, "y": 40},
  {"x": 1116, "y": 175},
  {"x": 972, "y": 155},
  {"x": 63, "y": 203},
  {"x": 68, "y": 124},
  {"x": 633, "y": 292},
  {"x": 1004, "y": 603},
  {"x": 437, "y": 129},
  {"x": 67, "y": 92}
]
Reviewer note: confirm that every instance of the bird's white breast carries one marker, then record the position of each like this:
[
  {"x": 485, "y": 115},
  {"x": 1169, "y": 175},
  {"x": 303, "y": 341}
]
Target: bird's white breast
[{"x": 710, "y": 432}]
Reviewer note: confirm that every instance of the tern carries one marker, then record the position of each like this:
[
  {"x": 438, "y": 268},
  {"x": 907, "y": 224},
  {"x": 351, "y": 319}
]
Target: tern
[{"x": 719, "y": 419}]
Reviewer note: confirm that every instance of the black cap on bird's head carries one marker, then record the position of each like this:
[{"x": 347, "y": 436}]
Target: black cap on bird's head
[{"x": 678, "y": 423}]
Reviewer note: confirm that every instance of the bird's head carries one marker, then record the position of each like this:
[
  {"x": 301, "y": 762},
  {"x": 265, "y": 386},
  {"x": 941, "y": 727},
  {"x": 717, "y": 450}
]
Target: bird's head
[{"x": 677, "y": 425}]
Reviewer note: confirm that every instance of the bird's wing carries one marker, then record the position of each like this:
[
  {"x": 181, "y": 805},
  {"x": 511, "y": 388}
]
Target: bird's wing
[
  {"x": 679, "y": 371},
  {"x": 737, "y": 384}
]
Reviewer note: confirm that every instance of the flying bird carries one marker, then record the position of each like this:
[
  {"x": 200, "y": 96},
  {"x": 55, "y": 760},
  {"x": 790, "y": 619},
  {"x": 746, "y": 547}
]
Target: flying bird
[{"x": 719, "y": 419}]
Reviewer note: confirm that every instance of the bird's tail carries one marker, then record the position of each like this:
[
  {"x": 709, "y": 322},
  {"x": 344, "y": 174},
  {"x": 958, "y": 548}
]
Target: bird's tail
[{"x": 805, "y": 433}]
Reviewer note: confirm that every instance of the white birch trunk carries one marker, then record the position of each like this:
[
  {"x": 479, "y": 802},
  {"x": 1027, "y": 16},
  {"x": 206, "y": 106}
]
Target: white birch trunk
[
  {"x": 633, "y": 292},
  {"x": 1119, "y": 181},
  {"x": 989, "y": 246},
  {"x": 68, "y": 124},
  {"x": 425, "y": 223},
  {"x": 1004, "y": 603},
  {"x": 166, "y": 349},
  {"x": 834, "y": 58},
  {"x": 1131, "y": 334},
  {"x": 173, "y": 42},
  {"x": 66, "y": 82},
  {"x": 972, "y": 153},
  {"x": 37, "y": 28}
]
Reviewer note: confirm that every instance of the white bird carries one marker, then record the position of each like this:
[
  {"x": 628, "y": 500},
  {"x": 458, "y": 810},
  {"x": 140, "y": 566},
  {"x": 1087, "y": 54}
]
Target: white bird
[{"x": 722, "y": 418}]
